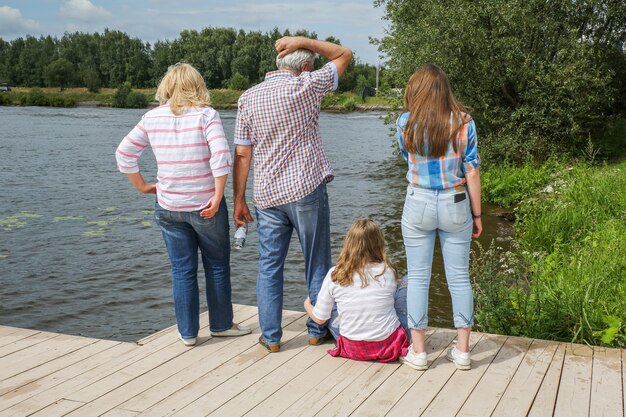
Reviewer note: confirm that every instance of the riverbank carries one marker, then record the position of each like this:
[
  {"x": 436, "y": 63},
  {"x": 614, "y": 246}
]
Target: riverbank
[
  {"x": 220, "y": 99},
  {"x": 563, "y": 279}
]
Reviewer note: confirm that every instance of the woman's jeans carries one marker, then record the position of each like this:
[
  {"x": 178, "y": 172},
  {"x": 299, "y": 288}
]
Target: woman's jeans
[
  {"x": 184, "y": 233},
  {"x": 399, "y": 305},
  {"x": 426, "y": 212}
]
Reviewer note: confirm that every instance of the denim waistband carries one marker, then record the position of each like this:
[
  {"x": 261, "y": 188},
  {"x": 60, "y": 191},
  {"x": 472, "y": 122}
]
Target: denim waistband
[{"x": 435, "y": 191}]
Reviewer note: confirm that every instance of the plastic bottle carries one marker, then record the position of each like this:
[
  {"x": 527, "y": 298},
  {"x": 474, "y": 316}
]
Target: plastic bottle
[{"x": 240, "y": 237}]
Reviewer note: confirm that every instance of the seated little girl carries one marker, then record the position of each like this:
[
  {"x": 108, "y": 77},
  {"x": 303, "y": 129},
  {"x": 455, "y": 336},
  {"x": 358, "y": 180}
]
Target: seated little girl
[{"x": 363, "y": 285}]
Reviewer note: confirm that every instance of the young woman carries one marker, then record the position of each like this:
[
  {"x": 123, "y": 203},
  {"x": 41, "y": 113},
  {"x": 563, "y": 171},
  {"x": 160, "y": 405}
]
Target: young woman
[
  {"x": 438, "y": 139},
  {"x": 364, "y": 286},
  {"x": 193, "y": 162}
]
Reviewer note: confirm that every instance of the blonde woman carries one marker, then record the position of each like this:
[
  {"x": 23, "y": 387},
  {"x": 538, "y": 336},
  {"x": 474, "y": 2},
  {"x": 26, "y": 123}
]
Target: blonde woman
[
  {"x": 438, "y": 139},
  {"x": 365, "y": 287},
  {"x": 193, "y": 161}
]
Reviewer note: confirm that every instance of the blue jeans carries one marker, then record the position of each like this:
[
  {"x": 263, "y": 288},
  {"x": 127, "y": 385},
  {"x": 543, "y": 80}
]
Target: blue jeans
[
  {"x": 426, "y": 213},
  {"x": 184, "y": 233},
  {"x": 310, "y": 217},
  {"x": 399, "y": 305}
]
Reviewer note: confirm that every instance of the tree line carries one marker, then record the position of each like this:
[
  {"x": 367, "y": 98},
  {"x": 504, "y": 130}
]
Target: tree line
[
  {"x": 227, "y": 58},
  {"x": 542, "y": 77}
]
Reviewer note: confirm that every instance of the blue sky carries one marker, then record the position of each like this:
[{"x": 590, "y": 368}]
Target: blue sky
[{"x": 352, "y": 21}]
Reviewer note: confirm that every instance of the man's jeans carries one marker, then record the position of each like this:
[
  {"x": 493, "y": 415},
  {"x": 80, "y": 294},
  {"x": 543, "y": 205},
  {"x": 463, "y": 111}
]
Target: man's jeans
[
  {"x": 184, "y": 233},
  {"x": 334, "y": 323},
  {"x": 426, "y": 213},
  {"x": 310, "y": 217}
]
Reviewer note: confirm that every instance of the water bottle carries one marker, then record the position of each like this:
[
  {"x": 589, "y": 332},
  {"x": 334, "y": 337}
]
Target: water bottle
[{"x": 240, "y": 237}]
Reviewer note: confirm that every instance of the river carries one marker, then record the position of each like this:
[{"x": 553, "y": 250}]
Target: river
[{"x": 79, "y": 251}]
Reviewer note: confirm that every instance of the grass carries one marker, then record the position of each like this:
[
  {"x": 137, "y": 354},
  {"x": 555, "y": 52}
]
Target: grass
[{"x": 564, "y": 278}]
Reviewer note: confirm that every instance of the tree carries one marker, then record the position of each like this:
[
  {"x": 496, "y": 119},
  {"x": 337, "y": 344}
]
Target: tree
[
  {"x": 60, "y": 73},
  {"x": 535, "y": 72}
]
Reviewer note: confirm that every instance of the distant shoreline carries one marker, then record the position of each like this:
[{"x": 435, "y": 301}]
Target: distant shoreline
[{"x": 221, "y": 99}]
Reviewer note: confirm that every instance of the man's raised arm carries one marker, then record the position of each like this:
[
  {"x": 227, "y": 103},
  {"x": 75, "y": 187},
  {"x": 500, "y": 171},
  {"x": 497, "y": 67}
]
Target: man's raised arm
[{"x": 340, "y": 55}]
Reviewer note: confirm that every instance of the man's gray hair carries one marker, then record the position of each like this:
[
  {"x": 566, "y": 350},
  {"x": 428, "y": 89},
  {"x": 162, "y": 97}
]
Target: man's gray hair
[{"x": 295, "y": 60}]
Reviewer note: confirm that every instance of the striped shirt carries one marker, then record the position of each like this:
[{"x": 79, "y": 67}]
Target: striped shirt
[
  {"x": 280, "y": 119},
  {"x": 448, "y": 170},
  {"x": 190, "y": 150}
]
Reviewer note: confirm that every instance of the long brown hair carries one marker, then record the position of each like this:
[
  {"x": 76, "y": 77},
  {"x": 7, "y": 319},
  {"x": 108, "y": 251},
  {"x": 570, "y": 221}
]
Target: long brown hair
[
  {"x": 435, "y": 114},
  {"x": 364, "y": 244}
]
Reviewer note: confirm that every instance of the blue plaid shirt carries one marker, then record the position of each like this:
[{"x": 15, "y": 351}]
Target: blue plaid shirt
[{"x": 446, "y": 171}]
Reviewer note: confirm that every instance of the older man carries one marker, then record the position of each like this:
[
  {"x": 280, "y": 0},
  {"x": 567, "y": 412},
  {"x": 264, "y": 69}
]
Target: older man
[{"x": 278, "y": 123}]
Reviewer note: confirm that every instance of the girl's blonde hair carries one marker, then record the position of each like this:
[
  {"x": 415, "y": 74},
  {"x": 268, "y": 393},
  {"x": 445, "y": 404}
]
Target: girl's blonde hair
[
  {"x": 184, "y": 87},
  {"x": 435, "y": 113},
  {"x": 364, "y": 244}
]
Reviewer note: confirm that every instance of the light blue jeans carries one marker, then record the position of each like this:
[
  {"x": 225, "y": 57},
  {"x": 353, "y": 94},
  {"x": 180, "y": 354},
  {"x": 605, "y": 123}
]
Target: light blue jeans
[
  {"x": 184, "y": 233},
  {"x": 399, "y": 306},
  {"x": 310, "y": 217},
  {"x": 426, "y": 213}
]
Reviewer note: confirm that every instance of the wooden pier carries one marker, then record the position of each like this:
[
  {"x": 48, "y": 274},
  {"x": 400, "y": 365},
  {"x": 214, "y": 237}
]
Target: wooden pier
[{"x": 48, "y": 374}]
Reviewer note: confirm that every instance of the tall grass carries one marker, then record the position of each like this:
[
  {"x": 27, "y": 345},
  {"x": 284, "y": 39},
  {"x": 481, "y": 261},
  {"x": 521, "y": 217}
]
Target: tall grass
[{"x": 565, "y": 278}]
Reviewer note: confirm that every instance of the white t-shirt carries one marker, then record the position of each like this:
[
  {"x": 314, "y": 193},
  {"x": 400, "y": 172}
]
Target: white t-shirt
[{"x": 364, "y": 313}]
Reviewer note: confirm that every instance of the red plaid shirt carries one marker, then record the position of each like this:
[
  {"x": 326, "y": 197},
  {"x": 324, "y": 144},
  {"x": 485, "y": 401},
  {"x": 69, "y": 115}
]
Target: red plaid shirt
[
  {"x": 280, "y": 119},
  {"x": 388, "y": 350}
]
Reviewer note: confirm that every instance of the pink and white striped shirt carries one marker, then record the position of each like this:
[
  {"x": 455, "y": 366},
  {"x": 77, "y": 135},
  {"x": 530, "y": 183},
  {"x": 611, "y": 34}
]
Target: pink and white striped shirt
[{"x": 190, "y": 150}]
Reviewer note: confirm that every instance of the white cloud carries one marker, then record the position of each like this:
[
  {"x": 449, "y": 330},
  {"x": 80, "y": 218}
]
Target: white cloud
[
  {"x": 12, "y": 22},
  {"x": 84, "y": 10}
]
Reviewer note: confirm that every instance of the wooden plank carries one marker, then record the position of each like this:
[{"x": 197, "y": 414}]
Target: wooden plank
[
  {"x": 53, "y": 366},
  {"x": 13, "y": 334},
  {"x": 459, "y": 387},
  {"x": 41, "y": 353},
  {"x": 521, "y": 392},
  {"x": 606, "y": 383},
  {"x": 419, "y": 396},
  {"x": 316, "y": 398},
  {"x": 222, "y": 384},
  {"x": 256, "y": 383},
  {"x": 494, "y": 382},
  {"x": 575, "y": 387},
  {"x": 6, "y": 330},
  {"x": 196, "y": 379},
  {"x": 23, "y": 343},
  {"x": 139, "y": 367},
  {"x": 59, "y": 408},
  {"x": 545, "y": 399},
  {"x": 351, "y": 397},
  {"x": 118, "y": 412},
  {"x": 70, "y": 379},
  {"x": 390, "y": 391},
  {"x": 201, "y": 358}
]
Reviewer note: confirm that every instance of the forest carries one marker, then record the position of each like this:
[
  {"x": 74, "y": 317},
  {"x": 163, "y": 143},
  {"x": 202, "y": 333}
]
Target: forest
[{"x": 227, "y": 58}]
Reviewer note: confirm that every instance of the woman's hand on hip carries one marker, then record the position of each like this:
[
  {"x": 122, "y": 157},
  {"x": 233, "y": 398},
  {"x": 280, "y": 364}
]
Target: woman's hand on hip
[
  {"x": 149, "y": 188},
  {"x": 211, "y": 208}
]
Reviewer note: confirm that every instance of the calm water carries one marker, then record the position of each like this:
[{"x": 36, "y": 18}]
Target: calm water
[{"x": 80, "y": 254}]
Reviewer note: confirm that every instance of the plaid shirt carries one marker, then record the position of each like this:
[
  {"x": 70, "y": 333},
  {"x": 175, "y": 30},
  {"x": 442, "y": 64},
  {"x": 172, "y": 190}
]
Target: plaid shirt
[
  {"x": 280, "y": 119},
  {"x": 388, "y": 350},
  {"x": 442, "y": 172}
]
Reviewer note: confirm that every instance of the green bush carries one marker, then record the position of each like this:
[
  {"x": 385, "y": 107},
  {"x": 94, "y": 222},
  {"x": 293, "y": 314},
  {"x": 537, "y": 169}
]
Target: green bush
[
  {"x": 238, "y": 82},
  {"x": 136, "y": 100},
  {"x": 5, "y": 99},
  {"x": 36, "y": 97},
  {"x": 61, "y": 101},
  {"x": 564, "y": 278},
  {"x": 349, "y": 103},
  {"x": 120, "y": 96}
]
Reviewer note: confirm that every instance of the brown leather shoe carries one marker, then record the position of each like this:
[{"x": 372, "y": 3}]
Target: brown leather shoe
[
  {"x": 270, "y": 348},
  {"x": 316, "y": 341}
]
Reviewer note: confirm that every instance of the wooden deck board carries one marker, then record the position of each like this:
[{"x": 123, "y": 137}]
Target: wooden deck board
[{"x": 47, "y": 374}]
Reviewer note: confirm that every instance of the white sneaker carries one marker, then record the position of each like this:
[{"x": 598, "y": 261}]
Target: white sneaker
[
  {"x": 241, "y": 330},
  {"x": 461, "y": 359},
  {"x": 417, "y": 361},
  {"x": 188, "y": 342}
]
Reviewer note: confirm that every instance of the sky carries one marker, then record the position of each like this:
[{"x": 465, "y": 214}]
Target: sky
[{"x": 351, "y": 21}]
